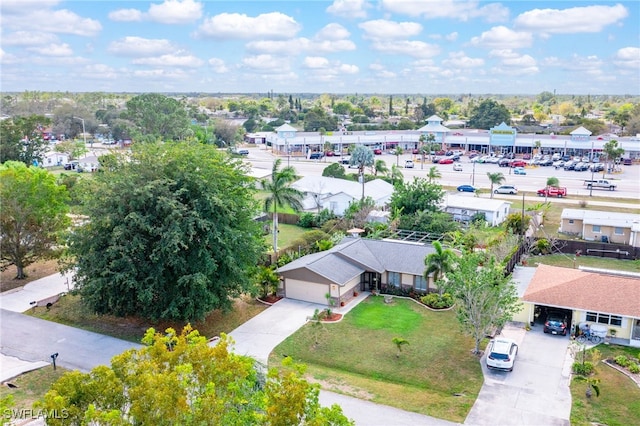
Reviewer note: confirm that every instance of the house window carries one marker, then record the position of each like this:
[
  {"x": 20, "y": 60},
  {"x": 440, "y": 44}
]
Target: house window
[
  {"x": 618, "y": 231},
  {"x": 570, "y": 221},
  {"x": 596, "y": 228},
  {"x": 604, "y": 318},
  {"x": 420, "y": 283},
  {"x": 394, "y": 278}
]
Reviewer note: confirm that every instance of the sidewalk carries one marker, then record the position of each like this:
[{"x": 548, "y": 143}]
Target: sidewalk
[{"x": 20, "y": 299}]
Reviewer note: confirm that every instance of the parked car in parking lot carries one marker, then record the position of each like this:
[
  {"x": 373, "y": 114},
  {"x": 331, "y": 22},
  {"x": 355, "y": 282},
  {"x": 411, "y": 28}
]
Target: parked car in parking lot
[
  {"x": 466, "y": 188},
  {"x": 627, "y": 162},
  {"x": 506, "y": 189},
  {"x": 504, "y": 162},
  {"x": 316, "y": 155},
  {"x": 445, "y": 160},
  {"x": 555, "y": 323},
  {"x": 377, "y": 151},
  {"x": 501, "y": 353},
  {"x": 517, "y": 163}
]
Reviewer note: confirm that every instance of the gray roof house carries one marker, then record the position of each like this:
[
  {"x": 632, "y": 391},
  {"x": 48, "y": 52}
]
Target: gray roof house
[
  {"x": 464, "y": 207},
  {"x": 354, "y": 265}
]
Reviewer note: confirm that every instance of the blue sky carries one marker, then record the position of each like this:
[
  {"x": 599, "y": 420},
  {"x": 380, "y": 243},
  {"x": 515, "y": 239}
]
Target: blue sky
[{"x": 344, "y": 46}]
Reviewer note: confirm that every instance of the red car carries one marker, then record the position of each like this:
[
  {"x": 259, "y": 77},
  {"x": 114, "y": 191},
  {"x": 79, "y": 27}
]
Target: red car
[
  {"x": 415, "y": 151},
  {"x": 517, "y": 163},
  {"x": 329, "y": 153},
  {"x": 457, "y": 134},
  {"x": 446, "y": 161},
  {"x": 377, "y": 151}
]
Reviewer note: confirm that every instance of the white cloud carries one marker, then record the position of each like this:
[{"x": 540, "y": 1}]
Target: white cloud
[
  {"x": 218, "y": 65},
  {"x": 315, "y": 62},
  {"x": 59, "y": 50},
  {"x": 273, "y": 25},
  {"x": 126, "y": 15},
  {"x": 415, "y": 49},
  {"x": 328, "y": 46},
  {"x": 53, "y": 21},
  {"x": 628, "y": 57},
  {"x": 171, "y": 60},
  {"x": 461, "y": 60},
  {"x": 28, "y": 38},
  {"x": 590, "y": 65},
  {"x": 376, "y": 67},
  {"x": 503, "y": 38},
  {"x": 332, "y": 32},
  {"x": 138, "y": 46},
  {"x": 299, "y": 45},
  {"x": 175, "y": 12},
  {"x": 347, "y": 69},
  {"x": 349, "y": 8},
  {"x": 265, "y": 63},
  {"x": 7, "y": 58},
  {"x": 383, "y": 29},
  {"x": 453, "y": 9},
  {"x": 162, "y": 74},
  {"x": 22, "y": 6},
  {"x": 524, "y": 61},
  {"x": 99, "y": 72},
  {"x": 451, "y": 37},
  {"x": 589, "y": 19}
]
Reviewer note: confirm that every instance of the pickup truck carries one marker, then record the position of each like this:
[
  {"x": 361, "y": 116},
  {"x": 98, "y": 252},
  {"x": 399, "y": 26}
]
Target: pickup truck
[
  {"x": 600, "y": 184},
  {"x": 552, "y": 191}
]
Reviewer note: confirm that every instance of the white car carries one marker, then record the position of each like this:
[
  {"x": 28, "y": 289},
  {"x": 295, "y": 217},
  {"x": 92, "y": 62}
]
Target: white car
[
  {"x": 457, "y": 167},
  {"x": 506, "y": 189},
  {"x": 408, "y": 164},
  {"x": 501, "y": 353}
]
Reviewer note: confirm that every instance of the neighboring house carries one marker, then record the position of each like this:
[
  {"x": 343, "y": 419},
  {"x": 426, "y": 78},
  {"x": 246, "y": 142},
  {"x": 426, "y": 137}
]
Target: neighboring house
[
  {"x": 356, "y": 264},
  {"x": 592, "y": 225},
  {"x": 321, "y": 192},
  {"x": 607, "y": 298},
  {"x": 464, "y": 207},
  {"x": 53, "y": 158}
]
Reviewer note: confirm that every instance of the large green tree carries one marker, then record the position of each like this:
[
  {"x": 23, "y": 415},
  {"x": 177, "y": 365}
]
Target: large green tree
[
  {"x": 487, "y": 114},
  {"x": 280, "y": 193},
  {"x": 361, "y": 157},
  {"x": 178, "y": 379},
  {"x": 170, "y": 234},
  {"x": 21, "y": 139},
  {"x": 158, "y": 116},
  {"x": 486, "y": 299},
  {"x": 33, "y": 215},
  {"x": 611, "y": 152},
  {"x": 416, "y": 196}
]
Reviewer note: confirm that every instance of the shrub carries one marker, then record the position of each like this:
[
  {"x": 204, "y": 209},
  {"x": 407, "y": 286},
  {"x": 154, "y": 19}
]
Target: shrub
[
  {"x": 306, "y": 220},
  {"x": 622, "y": 361},
  {"x": 583, "y": 368},
  {"x": 436, "y": 301},
  {"x": 634, "y": 368},
  {"x": 582, "y": 203}
]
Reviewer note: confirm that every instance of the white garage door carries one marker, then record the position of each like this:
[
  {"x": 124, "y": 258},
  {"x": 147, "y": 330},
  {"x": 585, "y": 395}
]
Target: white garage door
[{"x": 304, "y": 290}]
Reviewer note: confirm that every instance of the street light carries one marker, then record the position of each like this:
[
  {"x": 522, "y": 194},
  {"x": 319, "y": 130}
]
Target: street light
[{"x": 84, "y": 134}]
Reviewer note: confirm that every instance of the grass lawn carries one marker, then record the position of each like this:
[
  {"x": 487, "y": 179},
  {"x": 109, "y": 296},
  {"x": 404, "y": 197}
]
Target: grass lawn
[
  {"x": 69, "y": 310},
  {"x": 566, "y": 261},
  {"x": 287, "y": 234},
  {"x": 31, "y": 386},
  {"x": 619, "y": 400},
  {"x": 357, "y": 357}
]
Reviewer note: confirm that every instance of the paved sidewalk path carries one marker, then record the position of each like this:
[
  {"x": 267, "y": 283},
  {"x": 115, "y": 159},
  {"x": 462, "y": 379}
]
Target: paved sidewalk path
[{"x": 19, "y": 299}]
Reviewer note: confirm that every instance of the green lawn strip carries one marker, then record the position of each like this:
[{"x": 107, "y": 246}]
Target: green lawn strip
[
  {"x": 567, "y": 261},
  {"x": 71, "y": 311},
  {"x": 437, "y": 363},
  {"x": 31, "y": 386},
  {"x": 287, "y": 234},
  {"x": 619, "y": 400}
]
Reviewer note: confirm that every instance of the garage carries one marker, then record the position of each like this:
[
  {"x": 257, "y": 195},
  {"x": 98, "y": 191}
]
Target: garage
[
  {"x": 544, "y": 314},
  {"x": 307, "y": 291}
]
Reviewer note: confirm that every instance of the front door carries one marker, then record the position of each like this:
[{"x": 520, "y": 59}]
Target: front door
[{"x": 370, "y": 281}]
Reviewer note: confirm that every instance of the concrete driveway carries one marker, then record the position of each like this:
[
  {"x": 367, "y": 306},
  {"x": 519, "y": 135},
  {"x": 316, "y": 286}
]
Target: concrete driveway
[{"x": 536, "y": 392}]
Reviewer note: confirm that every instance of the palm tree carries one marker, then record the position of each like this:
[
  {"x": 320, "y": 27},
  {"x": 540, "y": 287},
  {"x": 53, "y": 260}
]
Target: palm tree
[
  {"x": 434, "y": 174},
  {"x": 438, "y": 263},
  {"x": 399, "y": 342},
  {"x": 398, "y": 152},
  {"x": 280, "y": 193},
  {"x": 361, "y": 157},
  {"x": 396, "y": 174},
  {"x": 380, "y": 167},
  {"x": 495, "y": 179}
]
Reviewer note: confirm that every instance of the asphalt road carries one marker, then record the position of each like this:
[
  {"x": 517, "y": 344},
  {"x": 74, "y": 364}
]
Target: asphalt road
[{"x": 628, "y": 181}]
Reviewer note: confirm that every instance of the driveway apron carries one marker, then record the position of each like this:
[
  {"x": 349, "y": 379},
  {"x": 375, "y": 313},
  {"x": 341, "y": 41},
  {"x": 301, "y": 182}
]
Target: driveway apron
[{"x": 536, "y": 392}]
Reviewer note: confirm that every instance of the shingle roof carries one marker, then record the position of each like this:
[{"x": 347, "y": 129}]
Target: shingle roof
[
  {"x": 576, "y": 289},
  {"x": 354, "y": 256}
]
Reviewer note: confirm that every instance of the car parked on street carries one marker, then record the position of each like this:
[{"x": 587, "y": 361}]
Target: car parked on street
[
  {"x": 457, "y": 167},
  {"x": 466, "y": 188},
  {"x": 506, "y": 189},
  {"x": 501, "y": 353},
  {"x": 556, "y": 323}
]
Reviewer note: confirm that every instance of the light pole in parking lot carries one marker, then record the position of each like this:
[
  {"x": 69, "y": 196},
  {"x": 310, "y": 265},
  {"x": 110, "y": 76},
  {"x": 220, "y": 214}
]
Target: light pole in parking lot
[
  {"x": 473, "y": 175},
  {"x": 84, "y": 134}
]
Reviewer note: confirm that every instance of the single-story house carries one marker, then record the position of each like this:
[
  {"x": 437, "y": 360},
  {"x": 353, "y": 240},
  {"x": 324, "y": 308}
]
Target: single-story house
[
  {"x": 602, "y": 297},
  {"x": 593, "y": 225},
  {"x": 321, "y": 192},
  {"x": 354, "y": 265},
  {"x": 463, "y": 207},
  {"x": 52, "y": 159}
]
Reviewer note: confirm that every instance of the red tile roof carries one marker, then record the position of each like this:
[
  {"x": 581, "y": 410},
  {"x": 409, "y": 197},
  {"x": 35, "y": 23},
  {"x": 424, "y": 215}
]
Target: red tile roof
[{"x": 576, "y": 289}]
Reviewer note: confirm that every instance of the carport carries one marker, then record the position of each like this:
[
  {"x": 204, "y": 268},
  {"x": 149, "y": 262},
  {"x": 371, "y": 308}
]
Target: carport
[{"x": 540, "y": 313}]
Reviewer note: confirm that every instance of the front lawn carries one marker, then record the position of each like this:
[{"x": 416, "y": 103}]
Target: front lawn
[
  {"x": 71, "y": 311},
  {"x": 567, "y": 261},
  {"x": 30, "y": 387},
  {"x": 619, "y": 400},
  {"x": 435, "y": 374}
]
